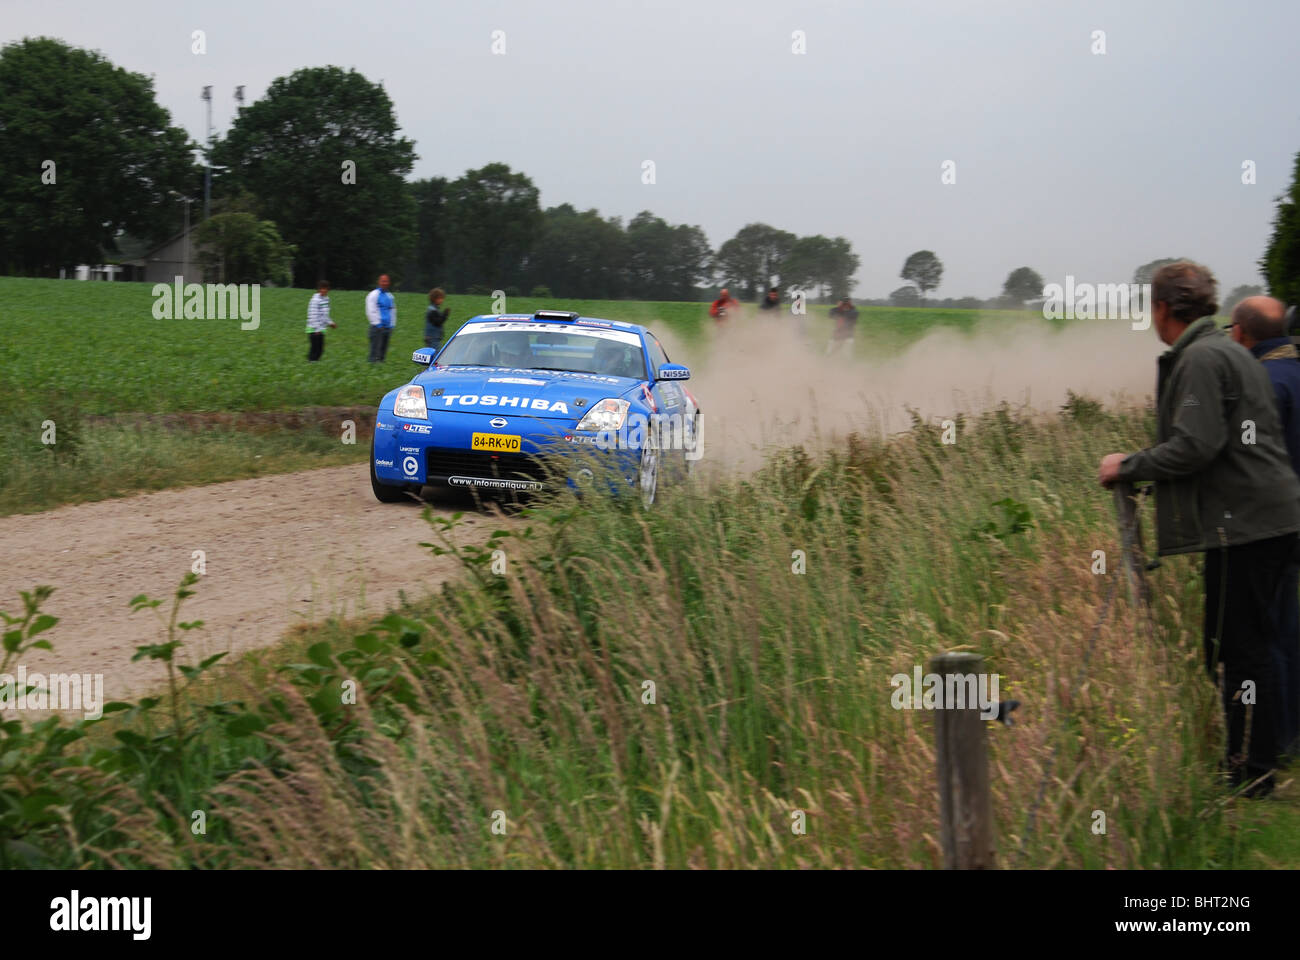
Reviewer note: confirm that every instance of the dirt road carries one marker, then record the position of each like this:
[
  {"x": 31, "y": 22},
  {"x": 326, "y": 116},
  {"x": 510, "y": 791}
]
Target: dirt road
[{"x": 277, "y": 550}]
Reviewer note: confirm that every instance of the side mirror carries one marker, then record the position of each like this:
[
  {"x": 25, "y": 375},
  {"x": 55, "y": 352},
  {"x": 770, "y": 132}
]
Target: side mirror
[
  {"x": 423, "y": 356},
  {"x": 673, "y": 371}
]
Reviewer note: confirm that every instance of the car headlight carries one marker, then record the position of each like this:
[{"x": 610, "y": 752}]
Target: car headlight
[
  {"x": 410, "y": 403},
  {"x": 607, "y": 414}
]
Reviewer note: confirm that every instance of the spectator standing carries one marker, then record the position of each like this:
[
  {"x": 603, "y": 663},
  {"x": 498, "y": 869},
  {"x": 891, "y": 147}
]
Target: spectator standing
[
  {"x": 845, "y": 315},
  {"x": 318, "y": 320},
  {"x": 381, "y": 311},
  {"x": 1259, "y": 324},
  {"x": 1224, "y": 486},
  {"x": 720, "y": 307},
  {"x": 435, "y": 317}
]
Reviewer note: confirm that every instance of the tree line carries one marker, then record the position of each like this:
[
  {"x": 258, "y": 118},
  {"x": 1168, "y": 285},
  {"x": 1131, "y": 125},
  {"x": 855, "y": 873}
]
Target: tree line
[{"x": 311, "y": 182}]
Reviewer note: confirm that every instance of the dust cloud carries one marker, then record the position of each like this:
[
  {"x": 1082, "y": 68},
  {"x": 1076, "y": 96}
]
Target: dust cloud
[{"x": 759, "y": 384}]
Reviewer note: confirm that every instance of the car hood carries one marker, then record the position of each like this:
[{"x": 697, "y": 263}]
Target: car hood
[{"x": 546, "y": 394}]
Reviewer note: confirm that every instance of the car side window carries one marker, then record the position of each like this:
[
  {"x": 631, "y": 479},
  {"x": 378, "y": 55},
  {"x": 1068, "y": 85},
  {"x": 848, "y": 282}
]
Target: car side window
[{"x": 657, "y": 356}]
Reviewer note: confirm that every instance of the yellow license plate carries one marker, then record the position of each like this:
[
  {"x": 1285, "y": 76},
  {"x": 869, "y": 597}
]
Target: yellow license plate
[{"x": 495, "y": 442}]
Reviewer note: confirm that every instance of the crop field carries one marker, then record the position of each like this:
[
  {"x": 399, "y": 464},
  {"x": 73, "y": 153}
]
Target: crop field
[
  {"x": 98, "y": 345},
  {"x": 93, "y": 359}
]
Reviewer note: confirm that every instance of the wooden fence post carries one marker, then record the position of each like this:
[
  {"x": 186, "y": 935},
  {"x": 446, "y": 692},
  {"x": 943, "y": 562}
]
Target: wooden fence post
[
  {"x": 961, "y": 753},
  {"x": 1130, "y": 538}
]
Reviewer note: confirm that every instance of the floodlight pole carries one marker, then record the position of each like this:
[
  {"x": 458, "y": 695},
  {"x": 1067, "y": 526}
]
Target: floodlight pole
[
  {"x": 187, "y": 201},
  {"x": 207, "y": 151}
]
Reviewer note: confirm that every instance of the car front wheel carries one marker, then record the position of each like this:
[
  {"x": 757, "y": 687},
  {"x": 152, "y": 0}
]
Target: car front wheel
[
  {"x": 383, "y": 492},
  {"x": 648, "y": 472}
]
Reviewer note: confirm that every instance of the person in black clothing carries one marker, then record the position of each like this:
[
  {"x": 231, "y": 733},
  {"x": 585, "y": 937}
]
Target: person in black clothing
[
  {"x": 772, "y": 300},
  {"x": 845, "y": 315},
  {"x": 434, "y": 318},
  {"x": 1259, "y": 324}
]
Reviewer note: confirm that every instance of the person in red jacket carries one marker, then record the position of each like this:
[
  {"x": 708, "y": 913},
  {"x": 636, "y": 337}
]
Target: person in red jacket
[{"x": 725, "y": 303}]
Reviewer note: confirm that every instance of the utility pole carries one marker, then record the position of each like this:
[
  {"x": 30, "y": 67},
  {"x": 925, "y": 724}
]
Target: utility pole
[
  {"x": 187, "y": 201},
  {"x": 207, "y": 175}
]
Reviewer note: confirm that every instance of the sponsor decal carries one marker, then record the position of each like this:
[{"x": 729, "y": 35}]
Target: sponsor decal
[
  {"x": 674, "y": 375},
  {"x": 536, "y": 326},
  {"x": 495, "y": 482},
  {"x": 383, "y": 463},
  {"x": 417, "y": 427},
  {"x": 521, "y": 381},
  {"x": 419, "y": 357},
  {"x": 490, "y": 400},
  {"x": 499, "y": 422},
  {"x": 605, "y": 323},
  {"x": 410, "y": 466},
  {"x": 578, "y": 438},
  {"x": 383, "y": 426},
  {"x": 408, "y": 449}
]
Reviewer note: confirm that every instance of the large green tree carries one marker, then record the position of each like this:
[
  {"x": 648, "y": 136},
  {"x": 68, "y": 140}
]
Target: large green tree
[
  {"x": 1144, "y": 273},
  {"x": 690, "y": 260},
  {"x": 580, "y": 255},
  {"x": 1023, "y": 284},
  {"x": 428, "y": 266},
  {"x": 1238, "y": 294},
  {"x": 237, "y": 247},
  {"x": 322, "y": 153},
  {"x": 923, "y": 269},
  {"x": 664, "y": 262},
  {"x": 822, "y": 262},
  {"x": 1281, "y": 261},
  {"x": 493, "y": 221},
  {"x": 86, "y": 152},
  {"x": 754, "y": 258}
]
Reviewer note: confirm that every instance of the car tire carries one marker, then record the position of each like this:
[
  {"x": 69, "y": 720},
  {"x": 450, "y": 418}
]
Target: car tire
[
  {"x": 647, "y": 474},
  {"x": 383, "y": 492}
]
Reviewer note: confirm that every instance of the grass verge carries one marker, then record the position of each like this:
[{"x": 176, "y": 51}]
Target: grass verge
[{"x": 667, "y": 690}]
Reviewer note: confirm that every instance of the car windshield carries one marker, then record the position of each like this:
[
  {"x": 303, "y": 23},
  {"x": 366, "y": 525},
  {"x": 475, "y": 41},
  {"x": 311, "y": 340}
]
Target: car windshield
[{"x": 528, "y": 345}]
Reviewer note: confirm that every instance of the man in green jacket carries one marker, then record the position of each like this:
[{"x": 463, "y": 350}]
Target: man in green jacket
[{"x": 1224, "y": 485}]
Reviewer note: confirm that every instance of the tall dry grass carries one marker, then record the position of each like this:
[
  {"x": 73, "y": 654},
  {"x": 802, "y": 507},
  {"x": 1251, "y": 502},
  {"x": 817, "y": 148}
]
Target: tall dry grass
[{"x": 508, "y": 725}]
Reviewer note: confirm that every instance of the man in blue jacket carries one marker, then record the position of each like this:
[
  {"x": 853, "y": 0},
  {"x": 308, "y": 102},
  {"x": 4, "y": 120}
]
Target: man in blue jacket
[
  {"x": 381, "y": 311},
  {"x": 1259, "y": 325}
]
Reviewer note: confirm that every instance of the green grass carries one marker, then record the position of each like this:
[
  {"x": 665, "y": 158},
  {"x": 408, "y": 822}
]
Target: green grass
[
  {"x": 121, "y": 460},
  {"x": 72, "y": 351},
  {"x": 98, "y": 345},
  {"x": 524, "y": 693}
]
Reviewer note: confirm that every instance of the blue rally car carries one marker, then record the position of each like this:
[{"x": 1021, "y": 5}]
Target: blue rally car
[{"x": 515, "y": 402}]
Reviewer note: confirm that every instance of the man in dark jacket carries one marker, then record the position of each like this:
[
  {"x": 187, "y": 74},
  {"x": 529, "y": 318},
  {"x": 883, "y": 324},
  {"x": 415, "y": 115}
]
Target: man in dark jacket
[
  {"x": 1224, "y": 485},
  {"x": 845, "y": 315},
  {"x": 435, "y": 318},
  {"x": 1259, "y": 324}
]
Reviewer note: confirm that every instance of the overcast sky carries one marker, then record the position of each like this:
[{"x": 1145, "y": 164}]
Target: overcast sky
[{"x": 1065, "y": 160}]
